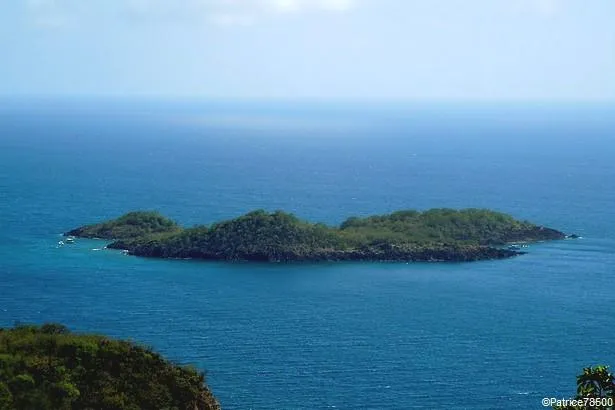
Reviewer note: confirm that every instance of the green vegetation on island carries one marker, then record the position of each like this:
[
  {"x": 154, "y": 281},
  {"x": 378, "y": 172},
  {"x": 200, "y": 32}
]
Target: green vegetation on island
[
  {"x": 49, "y": 368},
  {"x": 433, "y": 235},
  {"x": 131, "y": 225}
]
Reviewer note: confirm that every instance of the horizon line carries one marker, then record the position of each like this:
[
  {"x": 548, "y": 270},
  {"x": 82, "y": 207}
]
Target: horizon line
[{"x": 298, "y": 100}]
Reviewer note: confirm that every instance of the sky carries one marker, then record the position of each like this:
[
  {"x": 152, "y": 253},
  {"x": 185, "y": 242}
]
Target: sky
[{"x": 457, "y": 50}]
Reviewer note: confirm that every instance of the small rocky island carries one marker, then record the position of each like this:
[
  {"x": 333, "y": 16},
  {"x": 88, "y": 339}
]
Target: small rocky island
[{"x": 436, "y": 235}]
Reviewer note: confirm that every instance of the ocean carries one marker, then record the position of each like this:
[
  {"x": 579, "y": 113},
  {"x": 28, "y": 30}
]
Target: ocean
[{"x": 484, "y": 335}]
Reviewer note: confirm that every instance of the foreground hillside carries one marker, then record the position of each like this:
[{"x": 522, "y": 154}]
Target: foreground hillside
[
  {"x": 434, "y": 235},
  {"x": 49, "y": 368}
]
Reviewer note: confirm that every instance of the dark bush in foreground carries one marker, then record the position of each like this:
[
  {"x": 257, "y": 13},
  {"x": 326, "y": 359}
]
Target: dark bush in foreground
[{"x": 48, "y": 367}]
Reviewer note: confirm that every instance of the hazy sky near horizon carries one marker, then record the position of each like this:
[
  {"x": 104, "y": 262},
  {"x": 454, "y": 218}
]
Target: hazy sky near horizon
[{"x": 310, "y": 49}]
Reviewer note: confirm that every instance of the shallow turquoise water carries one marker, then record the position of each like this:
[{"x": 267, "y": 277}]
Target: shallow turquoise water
[{"x": 486, "y": 335}]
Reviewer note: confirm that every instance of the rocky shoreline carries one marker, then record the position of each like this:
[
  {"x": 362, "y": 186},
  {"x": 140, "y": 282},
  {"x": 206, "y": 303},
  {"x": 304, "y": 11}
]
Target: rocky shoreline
[{"x": 371, "y": 254}]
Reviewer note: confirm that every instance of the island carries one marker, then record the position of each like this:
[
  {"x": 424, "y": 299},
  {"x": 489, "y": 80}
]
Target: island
[
  {"x": 435, "y": 235},
  {"x": 49, "y": 367},
  {"x": 131, "y": 225}
]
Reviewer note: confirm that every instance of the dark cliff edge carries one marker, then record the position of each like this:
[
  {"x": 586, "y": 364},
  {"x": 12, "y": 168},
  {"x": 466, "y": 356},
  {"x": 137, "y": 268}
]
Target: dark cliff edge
[{"x": 437, "y": 235}]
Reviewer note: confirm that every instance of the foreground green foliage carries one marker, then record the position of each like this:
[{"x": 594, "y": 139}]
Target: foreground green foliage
[
  {"x": 131, "y": 225},
  {"x": 594, "y": 383},
  {"x": 48, "y": 367},
  {"x": 434, "y": 235}
]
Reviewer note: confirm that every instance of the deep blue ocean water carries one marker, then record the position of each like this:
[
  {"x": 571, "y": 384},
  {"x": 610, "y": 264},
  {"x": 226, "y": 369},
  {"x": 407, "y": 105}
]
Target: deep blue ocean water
[{"x": 486, "y": 335}]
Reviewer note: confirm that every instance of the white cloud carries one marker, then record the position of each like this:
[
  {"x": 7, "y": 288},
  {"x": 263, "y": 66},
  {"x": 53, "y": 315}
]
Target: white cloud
[
  {"x": 220, "y": 12},
  {"x": 547, "y": 7},
  {"x": 308, "y": 5},
  {"x": 46, "y": 13},
  {"x": 231, "y": 19},
  {"x": 543, "y": 8},
  {"x": 337, "y": 5},
  {"x": 285, "y": 6}
]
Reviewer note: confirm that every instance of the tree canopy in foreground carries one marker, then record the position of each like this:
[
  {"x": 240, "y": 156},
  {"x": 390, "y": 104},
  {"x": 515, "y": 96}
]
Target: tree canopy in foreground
[
  {"x": 595, "y": 390},
  {"x": 49, "y": 368}
]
